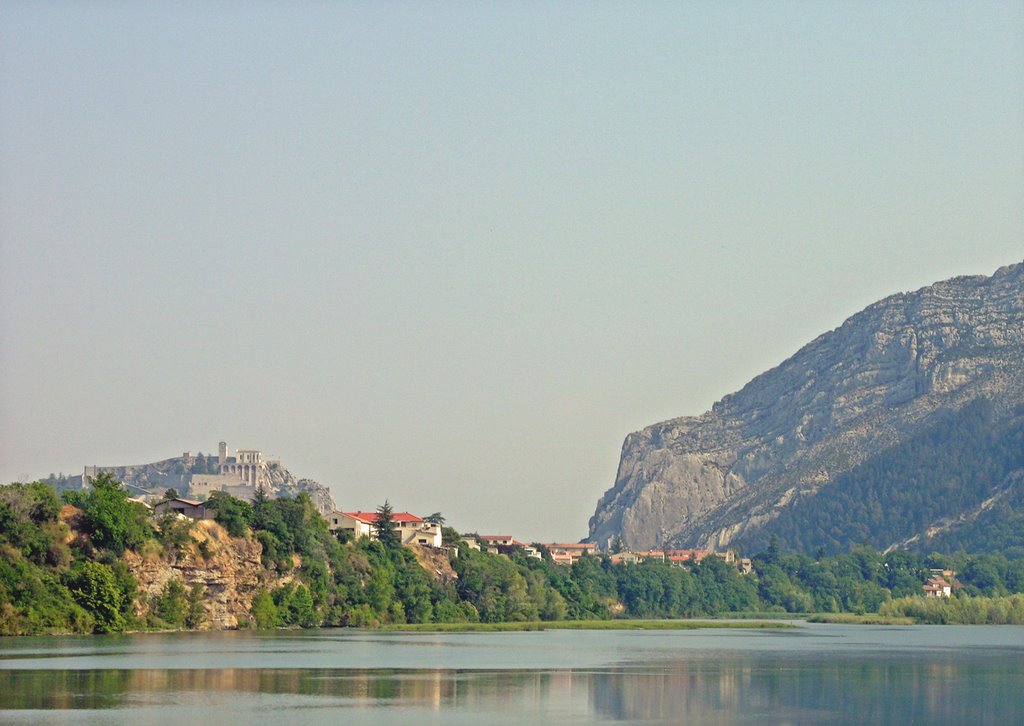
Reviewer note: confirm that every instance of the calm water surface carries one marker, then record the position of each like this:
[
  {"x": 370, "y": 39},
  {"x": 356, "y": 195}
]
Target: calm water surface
[{"x": 815, "y": 674}]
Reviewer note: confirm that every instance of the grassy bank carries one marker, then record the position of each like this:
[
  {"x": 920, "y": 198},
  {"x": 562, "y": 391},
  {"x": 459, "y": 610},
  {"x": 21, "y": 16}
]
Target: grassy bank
[
  {"x": 762, "y": 615},
  {"x": 851, "y": 619},
  {"x": 1008, "y": 610},
  {"x": 585, "y": 625}
]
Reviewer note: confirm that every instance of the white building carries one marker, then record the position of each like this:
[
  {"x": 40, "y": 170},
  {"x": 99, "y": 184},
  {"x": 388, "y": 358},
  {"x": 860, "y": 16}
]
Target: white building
[{"x": 411, "y": 529}]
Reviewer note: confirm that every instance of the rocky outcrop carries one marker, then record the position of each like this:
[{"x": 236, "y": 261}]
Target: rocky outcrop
[
  {"x": 436, "y": 562},
  {"x": 228, "y": 569},
  {"x": 157, "y": 475},
  {"x": 882, "y": 375},
  {"x": 154, "y": 478},
  {"x": 320, "y": 494}
]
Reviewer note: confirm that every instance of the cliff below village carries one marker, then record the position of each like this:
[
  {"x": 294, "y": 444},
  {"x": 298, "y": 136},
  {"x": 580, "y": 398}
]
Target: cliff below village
[
  {"x": 928, "y": 371},
  {"x": 227, "y": 571}
]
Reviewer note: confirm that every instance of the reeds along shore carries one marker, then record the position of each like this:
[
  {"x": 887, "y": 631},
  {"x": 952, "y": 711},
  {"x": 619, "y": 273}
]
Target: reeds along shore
[{"x": 589, "y": 625}]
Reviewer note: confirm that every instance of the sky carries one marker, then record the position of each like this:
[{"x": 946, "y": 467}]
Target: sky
[{"x": 451, "y": 254}]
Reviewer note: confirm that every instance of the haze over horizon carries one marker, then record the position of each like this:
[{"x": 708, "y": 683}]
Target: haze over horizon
[{"x": 451, "y": 255}]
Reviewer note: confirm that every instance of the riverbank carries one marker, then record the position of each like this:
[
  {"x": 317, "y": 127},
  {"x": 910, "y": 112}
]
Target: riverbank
[
  {"x": 588, "y": 625},
  {"x": 851, "y": 619}
]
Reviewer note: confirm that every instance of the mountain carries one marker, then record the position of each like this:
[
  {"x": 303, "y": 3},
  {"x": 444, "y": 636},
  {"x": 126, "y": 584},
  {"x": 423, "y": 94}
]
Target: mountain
[{"x": 899, "y": 428}]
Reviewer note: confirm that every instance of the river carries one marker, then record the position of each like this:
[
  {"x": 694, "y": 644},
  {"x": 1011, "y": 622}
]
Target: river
[{"x": 813, "y": 674}]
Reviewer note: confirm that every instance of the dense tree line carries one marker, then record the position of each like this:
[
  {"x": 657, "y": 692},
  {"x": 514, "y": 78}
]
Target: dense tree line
[
  {"x": 1000, "y": 528},
  {"x": 1005, "y": 610},
  {"x": 45, "y": 584},
  {"x": 59, "y": 579},
  {"x": 947, "y": 469}
]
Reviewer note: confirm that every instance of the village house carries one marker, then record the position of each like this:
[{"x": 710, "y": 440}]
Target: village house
[
  {"x": 501, "y": 544},
  {"x": 624, "y": 558},
  {"x": 568, "y": 553},
  {"x": 937, "y": 587},
  {"x": 940, "y": 584},
  {"x": 184, "y": 507},
  {"x": 414, "y": 530},
  {"x": 531, "y": 551},
  {"x": 411, "y": 529},
  {"x": 488, "y": 542},
  {"x": 678, "y": 557},
  {"x": 353, "y": 522}
]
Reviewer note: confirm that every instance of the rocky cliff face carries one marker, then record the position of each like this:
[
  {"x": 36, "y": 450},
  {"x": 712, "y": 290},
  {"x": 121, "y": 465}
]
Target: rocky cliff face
[
  {"x": 320, "y": 494},
  {"x": 706, "y": 480},
  {"x": 228, "y": 569}
]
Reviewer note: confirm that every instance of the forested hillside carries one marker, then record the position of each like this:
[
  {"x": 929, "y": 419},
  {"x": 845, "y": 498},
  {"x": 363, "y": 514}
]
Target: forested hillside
[
  {"x": 948, "y": 469},
  {"x": 88, "y": 564}
]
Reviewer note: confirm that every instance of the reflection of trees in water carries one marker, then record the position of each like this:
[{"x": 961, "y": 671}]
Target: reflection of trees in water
[
  {"x": 102, "y": 689},
  {"x": 430, "y": 689},
  {"x": 725, "y": 688},
  {"x": 869, "y": 689}
]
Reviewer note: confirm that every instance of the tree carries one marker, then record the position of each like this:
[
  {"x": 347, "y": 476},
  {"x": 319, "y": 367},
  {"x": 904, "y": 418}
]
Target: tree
[
  {"x": 772, "y": 555},
  {"x": 435, "y": 518},
  {"x": 231, "y": 513},
  {"x": 262, "y": 516},
  {"x": 263, "y": 611},
  {"x": 172, "y": 605},
  {"x": 112, "y": 521},
  {"x": 294, "y": 605},
  {"x": 196, "y": 613},
  {"x": 170, "y": 493},
  {"x": 385, "y": 527},
  {"x": 95, "y": 587}
]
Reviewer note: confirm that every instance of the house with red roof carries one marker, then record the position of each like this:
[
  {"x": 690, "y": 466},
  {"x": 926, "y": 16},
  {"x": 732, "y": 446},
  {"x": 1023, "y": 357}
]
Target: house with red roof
[
  {"x": 501, "y": 544},
  {"x": 938, "y": 587},
  {"x": 941, "y": 583},
  {"x": 675, "y": 557},
  {"x": 411, "y": 529},
  {"x": 568, "y": 553}
]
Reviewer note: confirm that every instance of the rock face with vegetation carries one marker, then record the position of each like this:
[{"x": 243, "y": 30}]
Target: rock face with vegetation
[
  {"x": 100, "y": 563},
  {"x": 938, "y": 372},
  {"x": 225, "y": 573}
]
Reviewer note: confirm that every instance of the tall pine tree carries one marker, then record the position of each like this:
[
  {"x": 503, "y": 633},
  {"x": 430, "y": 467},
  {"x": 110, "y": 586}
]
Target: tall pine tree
[{"x": 385, "y": 527}]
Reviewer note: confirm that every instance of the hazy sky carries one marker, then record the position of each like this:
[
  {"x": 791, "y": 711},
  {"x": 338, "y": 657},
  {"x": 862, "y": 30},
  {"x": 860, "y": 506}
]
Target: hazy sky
[{"x": 452, "y": 253}]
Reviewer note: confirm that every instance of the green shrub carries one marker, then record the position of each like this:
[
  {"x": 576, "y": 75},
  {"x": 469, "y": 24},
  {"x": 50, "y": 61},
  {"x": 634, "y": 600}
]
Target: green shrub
[
  {"x": 264, "y": 611},
  {"x": 95, "y": 587}
]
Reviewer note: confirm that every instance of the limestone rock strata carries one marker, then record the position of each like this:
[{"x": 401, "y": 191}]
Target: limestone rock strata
[
  {"x": 228, "y": 569},
  {"x": 705, "y": 480}
]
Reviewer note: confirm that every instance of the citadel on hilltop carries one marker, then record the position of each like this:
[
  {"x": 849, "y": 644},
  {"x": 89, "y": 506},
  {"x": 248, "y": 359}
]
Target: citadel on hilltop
[
  {"x": 197, "y": 476},
  {"x": 239, "y": 475}
]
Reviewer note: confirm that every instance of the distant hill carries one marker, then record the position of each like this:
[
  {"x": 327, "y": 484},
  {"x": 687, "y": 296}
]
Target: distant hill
[
  {"x": 904, "y": 427},
  {"x": 197, "y": 475}
]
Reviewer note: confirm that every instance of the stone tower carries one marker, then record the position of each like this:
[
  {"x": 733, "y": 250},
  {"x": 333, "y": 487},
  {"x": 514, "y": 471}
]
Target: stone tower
[{"x": 222, "y": 453}]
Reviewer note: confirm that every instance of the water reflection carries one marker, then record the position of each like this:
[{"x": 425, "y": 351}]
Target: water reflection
[
  {"x": 815, "y": 675},
  {"x": 705, "y": 689},
  {"x": 814, "y": 690}
]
